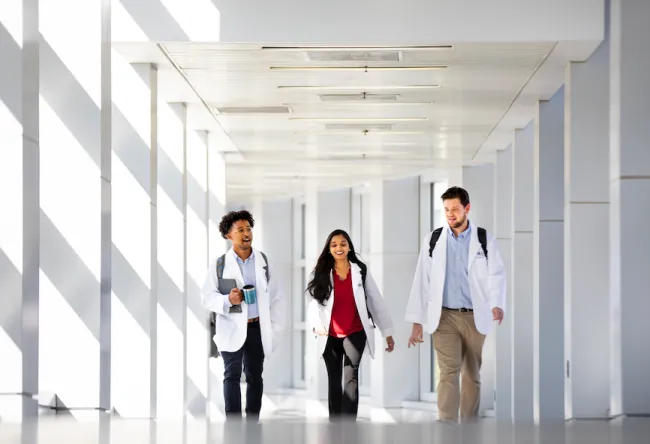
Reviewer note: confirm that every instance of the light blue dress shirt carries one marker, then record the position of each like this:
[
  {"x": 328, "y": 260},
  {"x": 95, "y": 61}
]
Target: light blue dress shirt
[
  {"x": 456, "y": 290},
  {"x": 247, "y": 268}
]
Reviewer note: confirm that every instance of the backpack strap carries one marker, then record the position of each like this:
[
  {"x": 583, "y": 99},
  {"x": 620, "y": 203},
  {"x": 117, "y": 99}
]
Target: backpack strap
[
  {"x": 434, "y": 238},
  {"x": 482, "y": 238},
  {"x": 221, "y": 263},
  {"x": 266, "y": 267},
  {"x": 214, "y": 351}
]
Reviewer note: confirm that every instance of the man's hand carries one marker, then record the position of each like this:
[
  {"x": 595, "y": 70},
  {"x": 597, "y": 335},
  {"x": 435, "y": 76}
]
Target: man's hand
[
  {"x": 416, "y": 335},
  {"x": 320, "y": 331},
  {"x": 236, "y": 296},
  {"x": 497, "y": 314},
  {"x": 390, "y": 342}
]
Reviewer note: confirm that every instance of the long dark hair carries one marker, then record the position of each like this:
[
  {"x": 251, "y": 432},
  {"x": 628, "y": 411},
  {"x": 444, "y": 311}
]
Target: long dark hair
[{"x": 320, "y": 285}]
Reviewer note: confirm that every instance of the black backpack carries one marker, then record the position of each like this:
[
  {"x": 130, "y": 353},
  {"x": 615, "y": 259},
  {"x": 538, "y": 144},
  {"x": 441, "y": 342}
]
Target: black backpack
[
  {"x": 221, "y": 263},
  {"x": 482, "y": 238}
]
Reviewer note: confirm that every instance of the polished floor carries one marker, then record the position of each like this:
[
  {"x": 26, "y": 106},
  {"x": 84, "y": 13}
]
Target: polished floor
[{"x": 299, "y": 431}]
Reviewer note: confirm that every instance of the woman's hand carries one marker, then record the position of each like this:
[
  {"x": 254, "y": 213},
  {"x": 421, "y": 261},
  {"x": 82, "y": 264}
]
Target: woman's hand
[
  {"x": 390, "y": 343},
  {"x": 320, "y": 331}
]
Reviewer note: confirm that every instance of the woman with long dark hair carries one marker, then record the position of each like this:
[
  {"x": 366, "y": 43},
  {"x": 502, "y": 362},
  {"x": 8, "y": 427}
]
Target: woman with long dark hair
[{"x": 346, "y": 304}]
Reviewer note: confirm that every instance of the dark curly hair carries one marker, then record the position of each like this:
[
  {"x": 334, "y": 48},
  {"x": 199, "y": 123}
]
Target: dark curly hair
[
  {"x": 456, "y": 193},
  {"x": 229, "y": 220},
  {"x": 320, "y": 285}
]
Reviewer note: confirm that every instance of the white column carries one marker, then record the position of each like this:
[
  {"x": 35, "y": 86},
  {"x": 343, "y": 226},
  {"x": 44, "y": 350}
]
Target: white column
[
  {"x": 171, "y": 303},
  {"x": 504, "y": 333},
  {"x": 197, "y": 343},
  {"x": 479, "y": 181},
  {"x": 75, "y": 115},
  {"x": 133, "y": 180},
  {"x": 19, "y": 199},
  {"x": 548, "y": 325},
  {"x": 278, "y": 229},
  {"x": 298, "y": 335},
  {"x": 630, "y": 206},
  {"x": 216, "y": 166},
  {"x": 325, "y": 212},
  {"x": 394, "y": 247},
  {"x": 586, "y": 213},
  {"x": 521, "y": 309},
  {"x": 216, "y": 247}
]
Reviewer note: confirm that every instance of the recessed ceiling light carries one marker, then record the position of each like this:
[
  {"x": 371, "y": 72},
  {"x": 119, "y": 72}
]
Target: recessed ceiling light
[
  {"x": 358, "y": 88},
  {"x": 361, "y": 120},
  {"x": 358, "y": 68}
]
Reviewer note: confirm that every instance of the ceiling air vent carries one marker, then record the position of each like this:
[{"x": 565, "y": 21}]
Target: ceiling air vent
[
  {"x": 354, "y": 56},
  {"x": 364, "y": 97},
  {"x": 254, "y": 110},
  {"x": 358, "y": 127}
]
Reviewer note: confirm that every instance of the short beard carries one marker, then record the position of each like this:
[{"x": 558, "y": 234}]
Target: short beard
[{"x": 459, "y": 223}]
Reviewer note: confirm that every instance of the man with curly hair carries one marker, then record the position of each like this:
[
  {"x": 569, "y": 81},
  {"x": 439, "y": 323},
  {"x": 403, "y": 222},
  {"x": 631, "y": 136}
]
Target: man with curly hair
[{"x": 245, "y": 332}]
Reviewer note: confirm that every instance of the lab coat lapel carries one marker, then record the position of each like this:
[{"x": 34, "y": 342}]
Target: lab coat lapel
[
  {"x": 356, "y": 281},
  {"x": 473, "y": 246}
]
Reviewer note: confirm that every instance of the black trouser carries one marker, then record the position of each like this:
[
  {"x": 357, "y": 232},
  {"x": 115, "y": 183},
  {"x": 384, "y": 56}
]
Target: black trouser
[
  {"x": 252, "y": 357},
  {"x": 342, "y": 357}
]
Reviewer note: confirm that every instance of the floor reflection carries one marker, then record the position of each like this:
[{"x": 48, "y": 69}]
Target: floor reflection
[{"x": 105, "y": 430}]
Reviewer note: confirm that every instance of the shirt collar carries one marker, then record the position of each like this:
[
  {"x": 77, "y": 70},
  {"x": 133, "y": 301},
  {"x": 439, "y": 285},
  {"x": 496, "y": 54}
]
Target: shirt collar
[
  {"x": 464, "y": 234},
  {"x": 238, "y": 259}
]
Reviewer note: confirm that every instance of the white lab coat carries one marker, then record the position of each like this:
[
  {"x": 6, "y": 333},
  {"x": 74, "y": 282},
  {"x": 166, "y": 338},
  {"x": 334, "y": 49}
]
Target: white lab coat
[
  {"x": 320, "y": 315},
  {"x": 487, "y": 283},
  {"x": 231, "y": 328}
]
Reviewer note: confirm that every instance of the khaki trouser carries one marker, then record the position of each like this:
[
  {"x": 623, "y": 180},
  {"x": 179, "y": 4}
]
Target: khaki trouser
[{"x": 458, "y": 347}]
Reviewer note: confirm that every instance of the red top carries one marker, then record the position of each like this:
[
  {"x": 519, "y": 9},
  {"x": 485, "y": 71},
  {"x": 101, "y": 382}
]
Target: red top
[{"x": 345, "y": 317}]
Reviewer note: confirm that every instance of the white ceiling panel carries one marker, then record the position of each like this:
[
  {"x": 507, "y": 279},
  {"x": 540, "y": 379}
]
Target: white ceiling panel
[{"x": 343, "y": 117}]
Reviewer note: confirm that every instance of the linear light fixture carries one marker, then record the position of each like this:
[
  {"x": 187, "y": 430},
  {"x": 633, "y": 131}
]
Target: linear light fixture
[
  {"x": 359, "y": 120},
  {"x": 299, "y": 175},
  {"x": 364, "y": 154},
  {"x": 358, "y": 48},
  {"x": 357, "y": 88},
  {"x": 358, "y": 68},
  {"x": 357, "y": 132},
  {"x": 358, "y": 102},
  {"x": 361, "y": 144}
]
